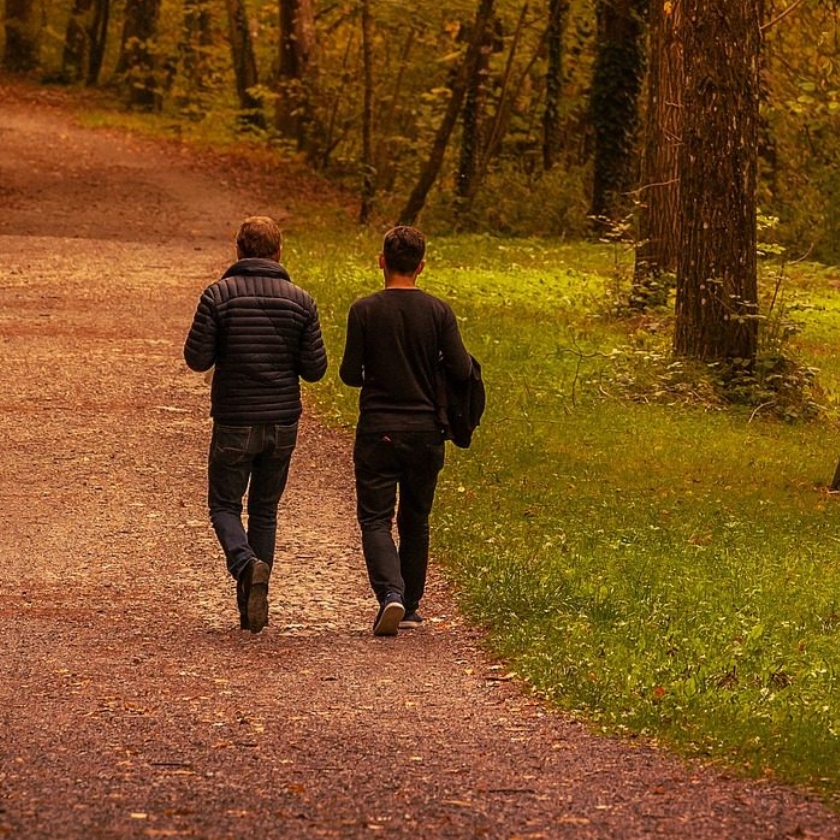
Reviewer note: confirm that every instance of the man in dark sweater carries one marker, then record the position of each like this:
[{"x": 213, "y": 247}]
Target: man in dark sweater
[
  {"x": 396, "y": 340},
  {"x": 260, "y": 335}
]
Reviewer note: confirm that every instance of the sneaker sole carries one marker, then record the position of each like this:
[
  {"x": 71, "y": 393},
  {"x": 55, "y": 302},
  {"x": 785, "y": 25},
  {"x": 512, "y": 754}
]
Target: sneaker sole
[
  {"x": 389, "y": 622},
  {"x": 258, "y": 598},
  {"x": 410, "y": 625}
]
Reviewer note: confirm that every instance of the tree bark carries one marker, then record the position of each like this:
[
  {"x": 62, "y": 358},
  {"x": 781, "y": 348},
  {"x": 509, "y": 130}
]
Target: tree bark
[
  {"x": 552, "y": 142},
  {"x": 98, "y": 33},
  {"x": 716, "y": 268},
  {"x": 77, "y": 42},
  {"x": 616, "y": 84},
  {"x": 244, "y": 64},
  {"x": 292, "y": 116},
  {"x": 137, "y": 60},
  {"x": 22, "y": 36},
  {"x": 472, "y": 118},
  {"x": 659, "y": 192},
  {"x": 429, "y": 173}
]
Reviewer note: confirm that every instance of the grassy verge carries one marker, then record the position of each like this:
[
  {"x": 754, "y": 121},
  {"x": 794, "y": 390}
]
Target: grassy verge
[{"x": 669, "y": 570}]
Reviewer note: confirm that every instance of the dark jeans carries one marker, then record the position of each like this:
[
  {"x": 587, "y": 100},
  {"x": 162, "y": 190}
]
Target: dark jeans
[
  {"x": 256, "y": 459},
  {"x": 410, "y": 462}
]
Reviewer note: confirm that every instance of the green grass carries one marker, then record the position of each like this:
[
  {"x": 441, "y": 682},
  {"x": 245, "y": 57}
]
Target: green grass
[{"x": 669, "y": 570}]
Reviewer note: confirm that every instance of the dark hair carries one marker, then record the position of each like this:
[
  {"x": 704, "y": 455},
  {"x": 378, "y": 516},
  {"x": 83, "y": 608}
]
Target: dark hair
[
  {"x": 403, "y": 248},
  {"x": 259, "y": 236}
]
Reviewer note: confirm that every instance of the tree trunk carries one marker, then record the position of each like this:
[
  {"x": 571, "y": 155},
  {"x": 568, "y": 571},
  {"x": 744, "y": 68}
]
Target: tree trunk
[
  {"x": 292, "y": 116},
  {"x": 22, "y": 36},
  {"x": 98, "y": 39},
  {"x": 472, "y": 117},
  {"x": 466, "y": 71},
  {"x": 368, "y": 174},
  {"x": 244, "y": 64},
  {"x": 716, "y": 271},
  {"x": 552, "y": 142},
  {"x": 195, "y": 45},
  {"x": 77, "y": 43},
  {"x": 616, "y": 84},
  {"x": 659, "y": 192},
  {"x": 137, "y": 60}
]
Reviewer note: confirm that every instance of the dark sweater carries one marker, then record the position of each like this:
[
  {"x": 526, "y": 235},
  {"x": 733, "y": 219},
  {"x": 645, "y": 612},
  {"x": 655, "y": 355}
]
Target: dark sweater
[
  {"x": 394, "y": 340},
  {"x": 262, "y": 334}
]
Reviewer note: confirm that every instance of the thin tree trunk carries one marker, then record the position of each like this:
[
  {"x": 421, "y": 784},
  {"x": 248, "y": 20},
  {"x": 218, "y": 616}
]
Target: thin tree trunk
[
  {"x": 557, "y": 11},
  {"x": 98, "y": 40},
  {"x": 137, "y": 60},
  {"x": 385, "y": 164},
  {"x": 503, "y": 107},
  {"x": 196, "y": 42},
  {"x": 22, "y": 36},
  {"x": 368, "y": 173},
  {"x": 429, "y": 173},
  {"x": 77, "y": 45},
  {"x": 616, "y": 84},
  {"x": 659, "y": 193},
  {"x": 716, "y": 273},
  {"x": 244, "y": 64}
]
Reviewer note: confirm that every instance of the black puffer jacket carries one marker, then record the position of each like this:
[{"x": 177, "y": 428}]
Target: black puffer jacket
[{"x": 262, "y": 333}]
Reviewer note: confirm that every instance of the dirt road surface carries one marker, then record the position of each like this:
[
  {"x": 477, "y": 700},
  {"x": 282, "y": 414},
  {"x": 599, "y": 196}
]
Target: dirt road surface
[{"x": 131, "y": 705}]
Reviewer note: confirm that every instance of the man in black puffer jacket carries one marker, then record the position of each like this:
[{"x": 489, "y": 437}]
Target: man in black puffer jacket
[{"x": 260, "y": 335}]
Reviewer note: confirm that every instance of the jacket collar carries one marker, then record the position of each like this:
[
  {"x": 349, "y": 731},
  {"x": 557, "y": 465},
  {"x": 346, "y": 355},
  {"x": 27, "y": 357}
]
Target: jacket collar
[{"x": 256, "y": 267}]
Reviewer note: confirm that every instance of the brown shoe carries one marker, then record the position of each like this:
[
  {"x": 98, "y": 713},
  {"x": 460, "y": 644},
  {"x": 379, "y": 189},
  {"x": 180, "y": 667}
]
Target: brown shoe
[
  {"x": 242, "y": 602},
  {"x": 252, "y": 596}
]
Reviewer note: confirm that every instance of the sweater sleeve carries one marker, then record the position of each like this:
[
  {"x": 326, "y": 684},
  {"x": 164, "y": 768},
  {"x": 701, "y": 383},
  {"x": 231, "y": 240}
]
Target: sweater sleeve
[
  {"x": 352, "y": 365},
  {"x": 313, "y": 354},
  {"x": 200, "y": 346},
  {"x": 456, "y": 359}
]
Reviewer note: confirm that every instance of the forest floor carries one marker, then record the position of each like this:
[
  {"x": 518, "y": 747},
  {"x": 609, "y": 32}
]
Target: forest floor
[{"x": 131, "y": 704}]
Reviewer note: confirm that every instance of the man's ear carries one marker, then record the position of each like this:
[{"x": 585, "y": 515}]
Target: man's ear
[
  {"x": 382, "y": 261},
  {"x": 420, "y": 268}
]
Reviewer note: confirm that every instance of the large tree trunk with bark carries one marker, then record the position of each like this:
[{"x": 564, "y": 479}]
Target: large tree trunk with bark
[
  {"x": 552, "y": 141},
  {"x": 244, "y": 64},
  {"x": 137, "y": 60},
  {"x": 466, "y": 71},
  {"x": 292, "y": 116},
  {"x": 716, "y": 273},
  {"x": 656, "y": 253},
  {"x": 472, "y": 120},
  {"x": 616, "y": 85},
  {"x": 22, "y": 36}
]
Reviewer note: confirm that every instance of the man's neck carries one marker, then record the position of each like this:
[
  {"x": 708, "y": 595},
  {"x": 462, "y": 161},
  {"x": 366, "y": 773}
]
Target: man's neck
[{"x": 400, "y": 281}]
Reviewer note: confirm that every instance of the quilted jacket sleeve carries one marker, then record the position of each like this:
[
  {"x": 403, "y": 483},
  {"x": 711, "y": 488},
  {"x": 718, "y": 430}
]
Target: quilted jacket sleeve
[
  {"x": 200, "y": 346},
  {"x": 313, "y": 354}
]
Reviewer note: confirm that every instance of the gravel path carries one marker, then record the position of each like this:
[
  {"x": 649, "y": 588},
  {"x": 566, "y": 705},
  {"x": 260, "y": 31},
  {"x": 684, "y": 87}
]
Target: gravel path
[{"x": 131, "y": 704}]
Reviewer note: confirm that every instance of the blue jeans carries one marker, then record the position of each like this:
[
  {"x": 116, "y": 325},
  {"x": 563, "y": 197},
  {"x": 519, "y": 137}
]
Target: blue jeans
[
  {"x": 256, "y": 459},
  {"x": 385, "y": 463}
]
